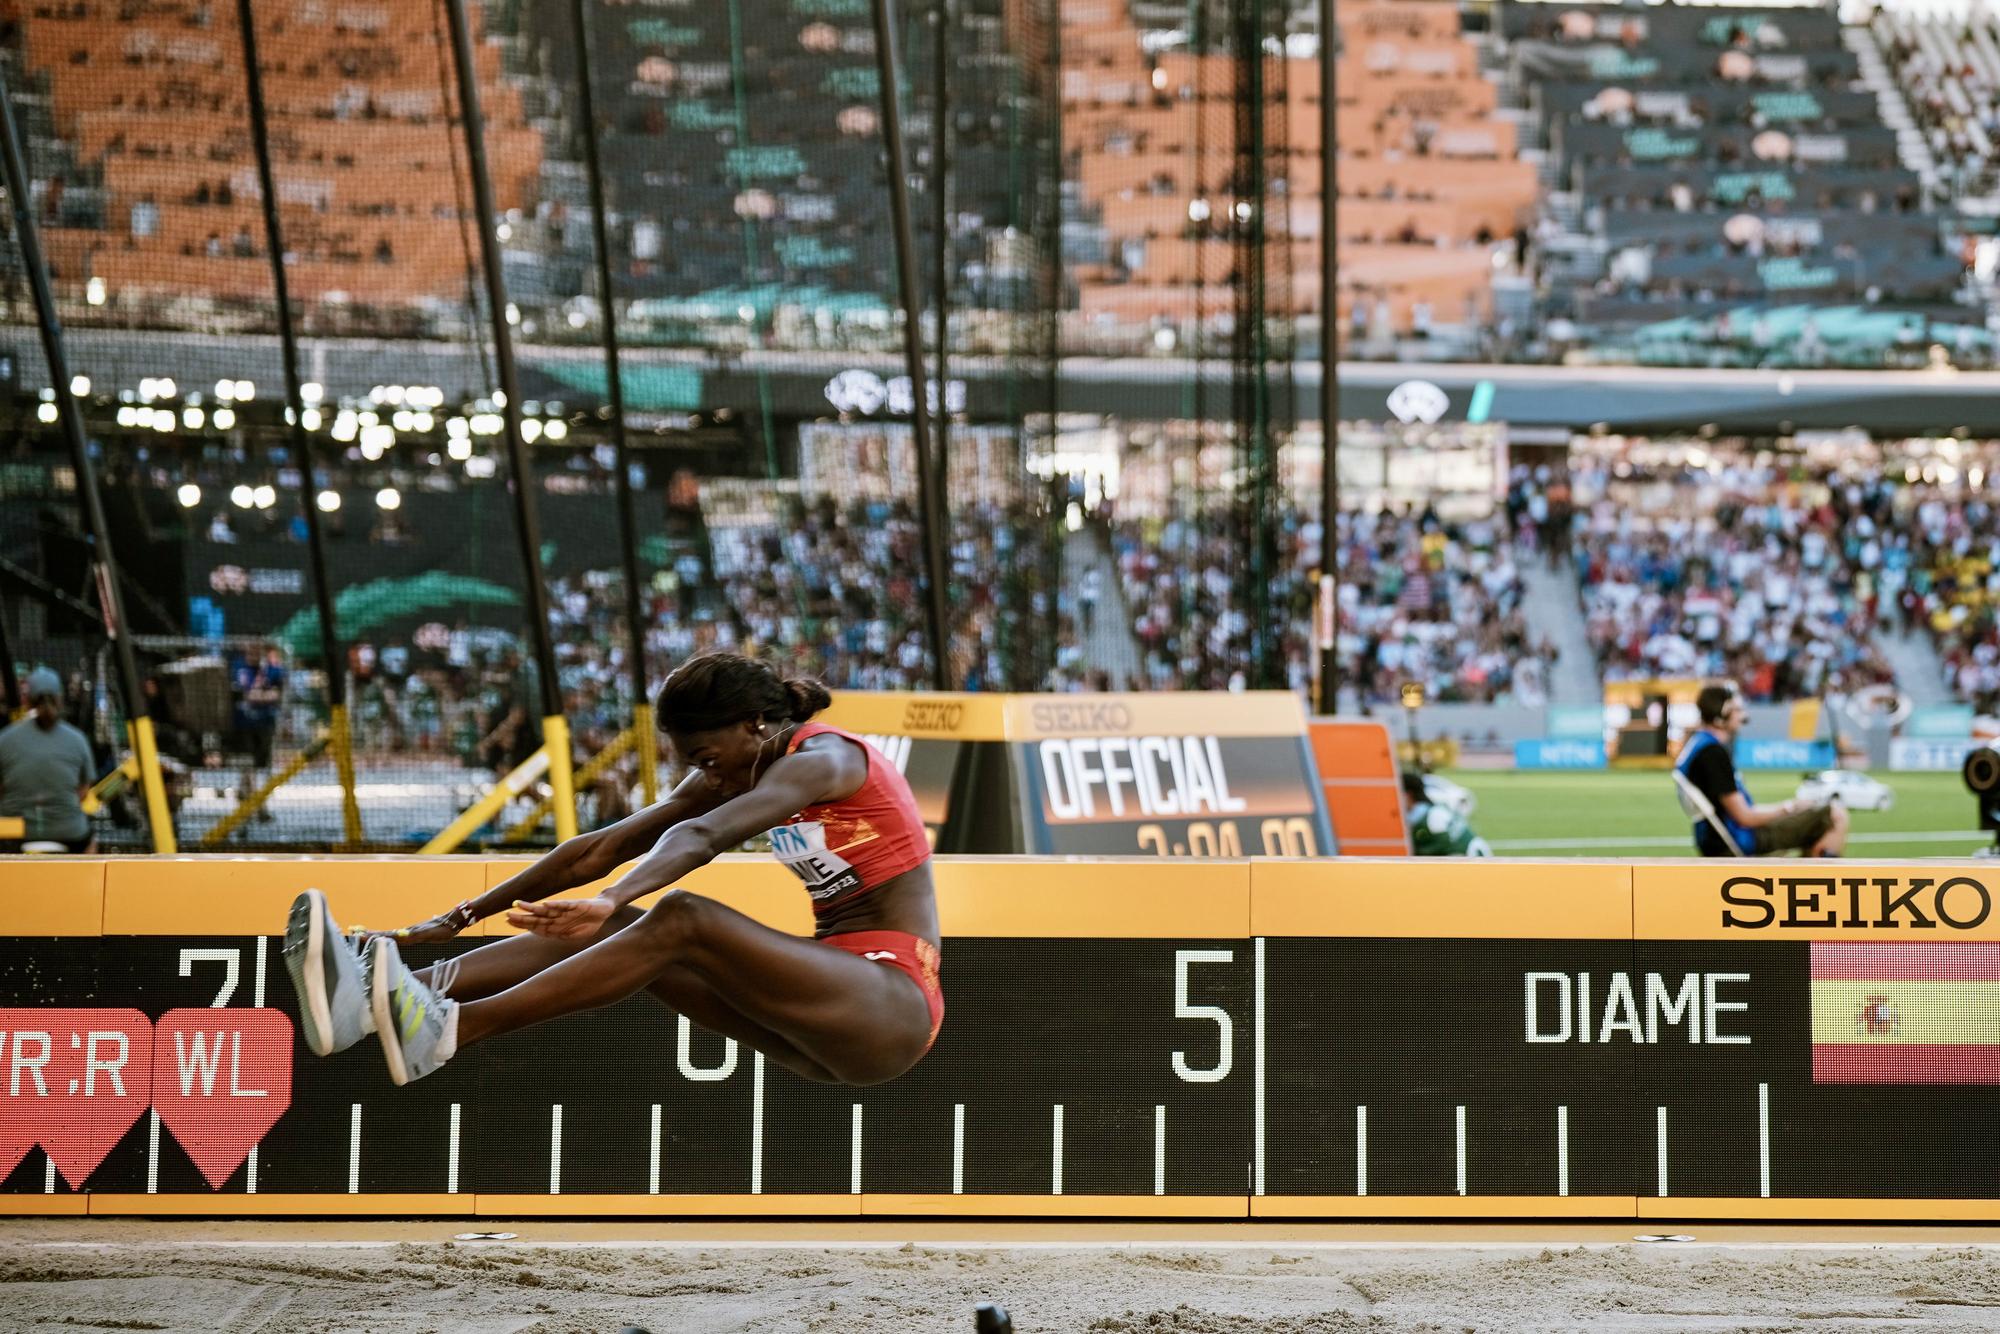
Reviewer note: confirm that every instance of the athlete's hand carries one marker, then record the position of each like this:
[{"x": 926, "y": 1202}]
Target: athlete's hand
[{"x": 562, "y": 919}]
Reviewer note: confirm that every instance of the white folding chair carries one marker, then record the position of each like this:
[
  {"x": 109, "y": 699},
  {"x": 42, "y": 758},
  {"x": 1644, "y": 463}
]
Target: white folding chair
[{"x": 1698, "y": 807}]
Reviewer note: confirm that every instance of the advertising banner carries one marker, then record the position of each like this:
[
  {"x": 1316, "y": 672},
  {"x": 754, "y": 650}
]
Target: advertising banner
[
  {"x": 1223, "y": 1038},
  {"x": 1782, "y": 753},
  {"x": 1543, "y": 753}
]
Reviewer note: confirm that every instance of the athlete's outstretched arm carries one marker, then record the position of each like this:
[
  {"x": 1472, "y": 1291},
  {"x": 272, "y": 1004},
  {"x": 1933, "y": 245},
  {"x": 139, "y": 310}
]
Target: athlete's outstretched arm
[
  {"x": 579, "y": 860},
  {"x": 798, "y": 780}
]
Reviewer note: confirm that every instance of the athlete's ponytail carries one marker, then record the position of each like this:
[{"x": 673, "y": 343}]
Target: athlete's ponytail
[
  {"x": 720, "y": 689},
  {"x": 807, "y": 696}
]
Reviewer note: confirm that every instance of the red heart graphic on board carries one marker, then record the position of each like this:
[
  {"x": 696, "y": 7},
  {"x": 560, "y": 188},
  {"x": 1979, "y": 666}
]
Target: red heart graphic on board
[
  {"x": 73, "y": 1081},
  {"x": 221, "y": 1079}
]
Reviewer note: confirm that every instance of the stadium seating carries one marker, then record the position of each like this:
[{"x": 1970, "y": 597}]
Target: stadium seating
[
  {"x": 1728, "y": 193},
  {"x": 1431, "y": 178},
  {"x": 1948, "y": 66},
  {"x": 157, "y": 192}
]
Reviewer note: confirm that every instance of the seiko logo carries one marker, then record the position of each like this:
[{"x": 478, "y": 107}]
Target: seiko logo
[
  {"x": 932, "y": 716},
  {"x": 1082, "y": 717},
  {"x": 1918, "y": 903}
]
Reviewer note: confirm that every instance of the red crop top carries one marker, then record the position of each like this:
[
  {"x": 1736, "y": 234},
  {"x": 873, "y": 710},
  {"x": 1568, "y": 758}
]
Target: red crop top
[{"x": 845, "y": 848}]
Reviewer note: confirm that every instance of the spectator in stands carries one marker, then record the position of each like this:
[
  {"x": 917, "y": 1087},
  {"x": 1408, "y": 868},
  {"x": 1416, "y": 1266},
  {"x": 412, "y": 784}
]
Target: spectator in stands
[
  {"x": 45, "y": 770},
  {"x": 1818, "y": 829}
]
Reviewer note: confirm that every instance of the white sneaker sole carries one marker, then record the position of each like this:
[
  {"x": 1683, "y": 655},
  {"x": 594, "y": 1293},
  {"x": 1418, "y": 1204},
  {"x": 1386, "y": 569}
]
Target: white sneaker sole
[
  {"x": 308, "y": 969},
  {"x": 379, "y": 996}
]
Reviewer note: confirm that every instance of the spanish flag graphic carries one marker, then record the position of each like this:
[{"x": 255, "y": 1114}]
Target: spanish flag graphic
[{"x": 1906, "y": 1014}]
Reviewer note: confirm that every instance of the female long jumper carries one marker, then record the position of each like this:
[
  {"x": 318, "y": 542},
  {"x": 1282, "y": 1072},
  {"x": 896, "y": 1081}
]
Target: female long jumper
[{"x": 857, "y": 1003}]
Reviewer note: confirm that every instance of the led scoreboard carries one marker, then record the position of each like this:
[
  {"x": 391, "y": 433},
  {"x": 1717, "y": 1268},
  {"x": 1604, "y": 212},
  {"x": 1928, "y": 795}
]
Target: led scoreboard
[{"x": 1169, "y": 775}]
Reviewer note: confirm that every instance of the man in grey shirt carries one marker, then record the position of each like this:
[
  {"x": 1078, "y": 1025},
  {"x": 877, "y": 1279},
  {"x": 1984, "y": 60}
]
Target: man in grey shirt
[{"x": 45, "y": 768}]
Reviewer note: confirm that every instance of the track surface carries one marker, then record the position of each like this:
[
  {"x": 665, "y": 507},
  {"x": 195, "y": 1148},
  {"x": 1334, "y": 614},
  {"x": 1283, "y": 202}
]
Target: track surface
[{"x": 910, "y": 1277}]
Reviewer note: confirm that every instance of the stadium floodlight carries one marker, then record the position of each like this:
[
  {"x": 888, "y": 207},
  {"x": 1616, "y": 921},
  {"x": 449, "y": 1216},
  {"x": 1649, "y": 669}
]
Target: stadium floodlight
[
  {"x": 499, "y": 398},
  {"x": 556, "y": 430},
  {"x": 225, "y": 419},
  {"x": 328, "y": 501},
  {"x": 389, "y": 498},
  {"x": 458, "y": 428},
  {"x": 242, "y": 496},
  {"x": 531, "y": 429},
  {"x": 459, "y": 448},
  {"x": 513, "y": 313},
  {"x": 163, "y": 421},
  {"x": 225, "y": 390},
  {"x": 149, "y": 389},
  {"x": 167, "y": 387},
  {"x": 310, "y": 419},
  {"x": 192, "y": 418},
  {"x": 93, "y": 291},
  {"x": 245, "y": 391},
  {"x": 189, "y": 495},
  {"x": 265, "y": 496},
  {"x": 345, "y": 427},
  {"x": 129, "y": 415},
  {"x": 79, "y": 385},
  {"x": 46, "y": 412},
  {"x": 483, "y": 466},
  {"x": 312, "y": 391},
  {"x": 423, "y": 421},
  {"x": 379, "y": 436},
  {"x": 401, "y": 420},
  {"x": 1198, "y": 210}
]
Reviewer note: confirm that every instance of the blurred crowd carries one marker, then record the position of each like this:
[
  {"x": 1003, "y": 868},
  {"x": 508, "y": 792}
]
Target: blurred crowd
[{"x": 1750, "y": 571}]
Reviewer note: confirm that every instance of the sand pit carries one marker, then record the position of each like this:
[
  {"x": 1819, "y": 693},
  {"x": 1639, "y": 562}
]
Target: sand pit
[{"x": 194, "y": 1278}]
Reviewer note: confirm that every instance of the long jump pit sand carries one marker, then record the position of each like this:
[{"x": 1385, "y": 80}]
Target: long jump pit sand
[{"x": 912, "y": 1278}]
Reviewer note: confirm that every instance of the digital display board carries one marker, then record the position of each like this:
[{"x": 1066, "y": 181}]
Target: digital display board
[
  {"x": 1168, "y": 775},
  {"x": 1260, "y": 1038}
]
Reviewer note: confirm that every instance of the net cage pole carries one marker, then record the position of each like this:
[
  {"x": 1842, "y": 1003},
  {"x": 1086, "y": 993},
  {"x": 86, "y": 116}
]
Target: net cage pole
[
  {"x": 941, "y": 235},
  {"x": 11, "y": 702},
  {"x": 614, "y": 390},
  {"x": 339, "y": 730},
  {"x": 1252, "y": 408},
  {"x": 929, "y": 494},
  {"x": 1329, "y": 358},
  {"x": 520, "y": 475},
  {"x": 104, "y": 562}
]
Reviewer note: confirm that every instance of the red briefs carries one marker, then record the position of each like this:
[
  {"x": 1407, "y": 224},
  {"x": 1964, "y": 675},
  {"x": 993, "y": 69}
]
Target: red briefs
[{"x": 911, "y": 955}]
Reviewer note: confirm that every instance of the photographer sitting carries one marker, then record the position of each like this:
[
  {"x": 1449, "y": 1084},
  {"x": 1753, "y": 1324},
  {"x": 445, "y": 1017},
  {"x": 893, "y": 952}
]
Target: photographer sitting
[{"x": 1818, "y": 829}]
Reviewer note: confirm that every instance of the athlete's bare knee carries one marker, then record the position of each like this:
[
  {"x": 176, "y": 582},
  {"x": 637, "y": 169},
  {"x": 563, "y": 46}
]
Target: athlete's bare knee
[{"x": 673, "y": 924}]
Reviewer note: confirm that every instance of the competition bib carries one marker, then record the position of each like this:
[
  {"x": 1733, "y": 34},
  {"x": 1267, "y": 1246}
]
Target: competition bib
[{"x": 802, "y": 849}]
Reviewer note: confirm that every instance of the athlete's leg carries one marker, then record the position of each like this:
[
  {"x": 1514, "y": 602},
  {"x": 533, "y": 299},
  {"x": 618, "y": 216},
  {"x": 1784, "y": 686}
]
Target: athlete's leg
[
  {"x": 858, "y": 1020},
  {"x": 507, "y": 963},
  {"x": 504, "y": 963}
]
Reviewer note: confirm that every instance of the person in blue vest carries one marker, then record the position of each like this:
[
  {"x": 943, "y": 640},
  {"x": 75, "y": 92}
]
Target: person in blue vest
[{"x": 1818, "y": 829}]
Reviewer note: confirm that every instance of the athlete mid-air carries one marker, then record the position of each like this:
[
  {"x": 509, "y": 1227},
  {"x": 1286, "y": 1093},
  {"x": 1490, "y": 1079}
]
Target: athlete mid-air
[{"x": 857, "y": 1003}]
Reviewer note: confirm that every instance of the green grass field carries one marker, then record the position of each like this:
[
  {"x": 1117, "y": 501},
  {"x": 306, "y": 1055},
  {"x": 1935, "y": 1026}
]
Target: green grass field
[{"x": 1623, "y": 813}]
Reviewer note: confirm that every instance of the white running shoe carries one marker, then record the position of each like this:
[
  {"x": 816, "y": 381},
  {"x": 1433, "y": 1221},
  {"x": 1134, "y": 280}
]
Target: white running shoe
[
  {"x": 330, "y": 977},
  {"x": 418, "y": 1025}
]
